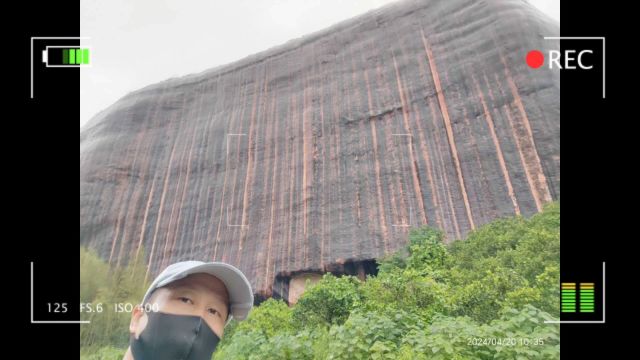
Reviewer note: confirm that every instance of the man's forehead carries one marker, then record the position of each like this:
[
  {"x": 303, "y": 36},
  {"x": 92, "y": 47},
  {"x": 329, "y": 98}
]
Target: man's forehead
[{"x": 201, "y": 282}]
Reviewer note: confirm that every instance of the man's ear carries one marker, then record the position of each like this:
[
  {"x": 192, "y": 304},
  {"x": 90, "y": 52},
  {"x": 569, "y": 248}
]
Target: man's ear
[{"x": 138, "y": 321}]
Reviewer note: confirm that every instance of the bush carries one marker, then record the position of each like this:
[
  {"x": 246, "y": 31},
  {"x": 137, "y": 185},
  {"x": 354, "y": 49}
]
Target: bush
[
  {"x": 370, "y": 335},
  {"x": 107, "y": 287},
  {"x": 270, "y": 318},
  {"x": 328, "y": 302},
  {"x": 406, "y": 290},
  {"x": 483, "y": 298},
  {"x": 105, "y": 353}
]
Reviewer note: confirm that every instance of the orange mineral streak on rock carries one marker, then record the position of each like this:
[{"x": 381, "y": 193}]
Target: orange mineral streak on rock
[
  {"x": 533, "y": 167},
  {"x": 377, "y": 167},
  {"x": 496, "y": 143},
  {"x": 407, "y": 129},
  {"x": 447, "y": 122}
]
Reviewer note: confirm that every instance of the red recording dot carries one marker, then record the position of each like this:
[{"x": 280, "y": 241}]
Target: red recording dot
[{"x": 535, "y": 59}]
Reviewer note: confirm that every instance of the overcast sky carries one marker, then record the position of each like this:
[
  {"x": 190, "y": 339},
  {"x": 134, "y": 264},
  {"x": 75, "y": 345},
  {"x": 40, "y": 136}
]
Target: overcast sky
[{"x": 136, "y": 43}]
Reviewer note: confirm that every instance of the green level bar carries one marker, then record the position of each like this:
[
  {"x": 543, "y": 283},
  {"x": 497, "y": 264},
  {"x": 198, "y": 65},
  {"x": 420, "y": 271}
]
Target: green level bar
[
  {"x": 587, "y": 300},
  {"x": 72, "y": 56},
  {"x": 65, "y": 56},
  {"x": 85, "y": 56},
  {"x": 568, "y": 301},
  {"x": 78, "y": 56}
]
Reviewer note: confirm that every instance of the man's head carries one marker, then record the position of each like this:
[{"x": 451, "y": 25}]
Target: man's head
[
  {"x": 198, "y": 294},
  {"x": 185, "y": 310}
]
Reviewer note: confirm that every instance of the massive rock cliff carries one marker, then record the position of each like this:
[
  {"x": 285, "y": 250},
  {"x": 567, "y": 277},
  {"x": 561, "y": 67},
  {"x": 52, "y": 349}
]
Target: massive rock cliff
[{"x": 329, "y": 148}]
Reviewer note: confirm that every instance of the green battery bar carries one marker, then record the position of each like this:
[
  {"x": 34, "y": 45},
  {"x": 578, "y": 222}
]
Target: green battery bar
[
  {"x": 75, "y": 56},
  {"x": 587, "y": 297},
  {"x": 568, "y": 301}
]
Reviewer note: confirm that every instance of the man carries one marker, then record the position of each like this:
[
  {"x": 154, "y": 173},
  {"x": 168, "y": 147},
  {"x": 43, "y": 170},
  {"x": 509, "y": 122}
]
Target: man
[{"x": 185, "y": 310}]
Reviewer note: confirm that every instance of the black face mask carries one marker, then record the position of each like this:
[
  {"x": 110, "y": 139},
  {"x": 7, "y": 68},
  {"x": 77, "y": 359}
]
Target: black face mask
[{"x": 174, "y": 337}]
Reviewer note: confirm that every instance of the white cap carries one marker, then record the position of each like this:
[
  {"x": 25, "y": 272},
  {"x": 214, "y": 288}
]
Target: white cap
[{"x": 238, "y": 287}]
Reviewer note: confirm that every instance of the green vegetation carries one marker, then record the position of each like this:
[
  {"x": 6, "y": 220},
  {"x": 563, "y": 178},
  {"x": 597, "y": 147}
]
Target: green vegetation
[
  {"x": 482, "y": 298},
  {"x": 103, "y": 289}
]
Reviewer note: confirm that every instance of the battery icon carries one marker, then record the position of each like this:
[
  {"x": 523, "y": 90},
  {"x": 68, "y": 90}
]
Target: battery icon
[
  {"x": 568, "y": 293},
  {"x": 66, "y": 56}
]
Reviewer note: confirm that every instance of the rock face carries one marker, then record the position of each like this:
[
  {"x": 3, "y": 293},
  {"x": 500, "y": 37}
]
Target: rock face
[{"x": 330, "y": 147}]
